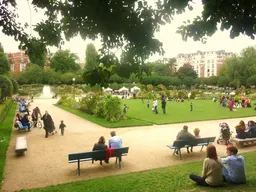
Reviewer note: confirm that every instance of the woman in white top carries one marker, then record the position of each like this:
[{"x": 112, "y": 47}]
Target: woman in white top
[{"x": 212, "y": 169}]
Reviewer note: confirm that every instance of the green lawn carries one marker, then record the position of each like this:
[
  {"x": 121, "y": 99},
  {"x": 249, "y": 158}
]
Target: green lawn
[
  {"x": 103, "y": 122},
  {"x": 167, "y": 179},
  {"x": 5, "y": 133},
  {"x": 139, "y": 115},
  {"x": 178, "y": 112}
]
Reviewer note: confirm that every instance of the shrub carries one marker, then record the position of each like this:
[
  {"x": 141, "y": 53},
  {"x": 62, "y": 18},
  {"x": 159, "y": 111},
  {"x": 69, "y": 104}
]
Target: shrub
[
  {"x": 113, "y": 109},
  {"x": 22, "y": 92},
  {"x": 6, "y": 87},
  {"x": 67, "y": 101},
  {"x": 182, "y": 94},
  {"x": 88, "y": 103},
  {"x": 194, "y": 93},
  {"x": 100, "y": 106},
  {"x": 15, "y": 85}
]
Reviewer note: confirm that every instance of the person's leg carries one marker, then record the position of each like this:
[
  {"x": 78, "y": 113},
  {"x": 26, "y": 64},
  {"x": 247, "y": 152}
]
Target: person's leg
[
  {"x": 156, "y": 110},
  {"x": 225, "y": 174},
  {"x": 191, "y": 149},
  {"x": 188, "y": 149},
  {"x": 46, "y": 133},
  {"x": 199, "y": 180}
]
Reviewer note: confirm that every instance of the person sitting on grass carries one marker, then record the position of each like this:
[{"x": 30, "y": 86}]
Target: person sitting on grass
[
  {"x": 212, "y": 169},
  {"x": 240, "y": 130},
  {"x": 100, "y": 146},
  {"x": 184, "y": 135},
  {"x": 233, "y": 169}
]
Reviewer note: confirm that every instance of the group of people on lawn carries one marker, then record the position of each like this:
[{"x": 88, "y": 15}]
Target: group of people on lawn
[
  {"x": 216, "y": 170},
  {"x": 231, "y": 103}
]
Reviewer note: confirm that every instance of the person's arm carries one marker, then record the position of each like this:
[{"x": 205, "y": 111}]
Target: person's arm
[
  {"x": 109, "y": 143},
  {"x": 93, "y": 149},
  {"x": 225, "y": 160},
  {"x": 204, "y": 171}
]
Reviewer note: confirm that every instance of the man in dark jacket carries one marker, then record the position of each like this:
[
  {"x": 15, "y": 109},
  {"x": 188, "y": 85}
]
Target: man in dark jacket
[
  {"x": 163, "y": 105},
  {"x": 48, "y": 123}
]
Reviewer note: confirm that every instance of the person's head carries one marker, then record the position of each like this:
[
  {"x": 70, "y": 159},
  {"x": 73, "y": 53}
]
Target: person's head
[
  {"x": 113, "y": 133},
  {"x": 46, "y": 112},
  {"x": 242, "y": 124},
  {"x": 102, "y": 140},
  {"x": 231, "y": 150},
  {"x": 196, "y": 131},
  {"x": 251, "y": 123},
  {"x": 211, "y": 152},
  {"x": 61, "y": 121},
  {"x": 185, "y": 128}
]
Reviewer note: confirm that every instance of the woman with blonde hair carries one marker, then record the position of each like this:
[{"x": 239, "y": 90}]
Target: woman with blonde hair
[{"x": 212, "y": 169}]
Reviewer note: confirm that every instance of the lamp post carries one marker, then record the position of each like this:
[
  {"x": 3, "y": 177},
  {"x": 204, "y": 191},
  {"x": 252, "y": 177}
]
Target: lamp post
[{"x": 74, "y": 79}]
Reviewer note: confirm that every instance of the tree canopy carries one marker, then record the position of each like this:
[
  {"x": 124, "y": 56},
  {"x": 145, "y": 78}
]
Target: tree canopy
[
  {"x": 129, "y": 23},
  {"x": 91, "y": 57},
  {"x": 64, "y": 61},
  {"x": 4, "y": 64}
]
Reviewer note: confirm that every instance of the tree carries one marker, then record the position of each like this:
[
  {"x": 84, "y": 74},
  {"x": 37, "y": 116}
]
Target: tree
[
  {"x": 91, "y": 57},
  {"x": 251, "y": 80},
  {"x": 135, "y": 23},
  {"x": 241, "y": 19},
  {"x": 186, "y": 71},
  {"x": 6, "y": 87},
  {"x": 32, "y": 75},
  {"x": 37, "y": 53},
  {"x": 223, "y": 81},
  {"x": 99, "y": 75},
  {"x": 4, "y": 64},
  {"x": 116, "y": 79},
  {"x": 15, "y": 85},
  {"x": 64, "y": 61}
]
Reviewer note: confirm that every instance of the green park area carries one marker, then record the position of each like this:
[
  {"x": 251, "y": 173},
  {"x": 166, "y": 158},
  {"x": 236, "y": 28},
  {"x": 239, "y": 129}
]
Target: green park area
[
  {"x": 176, "y": 112},
  {"x": 167, "y": 179}
]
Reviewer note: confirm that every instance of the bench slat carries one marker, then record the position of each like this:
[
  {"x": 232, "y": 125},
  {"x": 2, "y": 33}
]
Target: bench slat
[{"x": 21, "y": 143}]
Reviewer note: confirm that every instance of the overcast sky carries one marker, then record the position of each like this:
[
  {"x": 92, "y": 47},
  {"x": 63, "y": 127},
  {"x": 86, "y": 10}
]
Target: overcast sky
[{"x": 172, "y": 41}]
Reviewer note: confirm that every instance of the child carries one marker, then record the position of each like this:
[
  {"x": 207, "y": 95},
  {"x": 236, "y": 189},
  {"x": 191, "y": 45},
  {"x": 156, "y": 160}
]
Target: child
[
  {"x": 125, "y": 109},
  {"x": 148, "y": 103},
  {"x": 196, "y": 133},
  {"x": 191, "y": 106},
  {"x": 62, "y": 126}
]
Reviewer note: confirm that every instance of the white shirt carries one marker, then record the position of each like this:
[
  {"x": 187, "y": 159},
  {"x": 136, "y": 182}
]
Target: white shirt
[
  {"x": 115, "y": 142},
  {"x": 155, "y": 103}
]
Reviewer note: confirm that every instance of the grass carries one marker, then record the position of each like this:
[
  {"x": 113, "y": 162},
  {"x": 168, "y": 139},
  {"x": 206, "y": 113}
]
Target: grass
[
  {"x": 167, "y": 179},
  {"x": 139, "y": 115},
  {"x": 5, "y": 132},
  {"x": 178, "y": 112},
  {"x": 103, "y": 122}
]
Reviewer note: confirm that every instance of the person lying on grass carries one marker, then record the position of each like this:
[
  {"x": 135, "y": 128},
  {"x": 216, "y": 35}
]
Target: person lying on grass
[
  {"x": 212, "y": 169},
  {"x": 233, "y": 169}
]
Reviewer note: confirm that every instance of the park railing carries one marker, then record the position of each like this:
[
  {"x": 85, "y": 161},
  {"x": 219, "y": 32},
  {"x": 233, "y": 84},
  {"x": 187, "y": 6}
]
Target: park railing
[{"x": 4, "y": 108}]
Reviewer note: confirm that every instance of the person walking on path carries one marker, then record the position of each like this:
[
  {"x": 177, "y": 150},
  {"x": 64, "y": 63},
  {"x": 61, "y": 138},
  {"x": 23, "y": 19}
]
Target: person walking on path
[
  {"x": 164, "y": 105},
  {"x": 48, "y": 123},
  {"x": 62, "y": 127}
]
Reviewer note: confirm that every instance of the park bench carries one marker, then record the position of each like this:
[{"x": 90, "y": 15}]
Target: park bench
[
  {"x": 178, "y": 144},
  {"x": 99, "y": 154},
  {"x": 244, "y": 142},
  {"x": 21, "y": 145}
]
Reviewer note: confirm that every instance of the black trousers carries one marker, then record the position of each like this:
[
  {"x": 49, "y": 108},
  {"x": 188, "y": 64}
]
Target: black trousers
[{"x": 46, "y": 133}]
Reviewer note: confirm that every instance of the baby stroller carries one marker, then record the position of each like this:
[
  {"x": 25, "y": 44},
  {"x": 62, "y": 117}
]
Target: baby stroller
[{"x": 225, "y": 134}]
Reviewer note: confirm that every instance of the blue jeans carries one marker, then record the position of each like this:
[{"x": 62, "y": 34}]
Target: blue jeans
[{"x": 199, "y": 180}]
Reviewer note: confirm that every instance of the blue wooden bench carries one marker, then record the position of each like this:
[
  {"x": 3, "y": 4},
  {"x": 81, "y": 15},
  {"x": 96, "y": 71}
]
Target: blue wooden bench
[
  {"x": 97, "y": 155},
  {"x": 178, "y": 144}
]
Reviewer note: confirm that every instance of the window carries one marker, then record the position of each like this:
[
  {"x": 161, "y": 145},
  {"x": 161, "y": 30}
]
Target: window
[
  {"x": 213, "y": 61},
  {"x": 213, "y": 66},
  {"x": 208, "y": 61}
]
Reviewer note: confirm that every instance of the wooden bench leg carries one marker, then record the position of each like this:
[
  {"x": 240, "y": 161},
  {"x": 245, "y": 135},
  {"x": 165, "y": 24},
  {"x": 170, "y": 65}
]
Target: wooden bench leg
[
  {"x": 202, "y": 147},
  {"x": 78, "y": 167}
]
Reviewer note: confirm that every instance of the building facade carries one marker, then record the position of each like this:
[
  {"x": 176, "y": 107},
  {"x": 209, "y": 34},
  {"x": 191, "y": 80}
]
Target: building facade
[
  {"x": 18, "y": 61},
  {"x": 206, "y": 63}
]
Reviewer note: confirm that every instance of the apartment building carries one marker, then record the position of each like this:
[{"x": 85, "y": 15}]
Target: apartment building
[
  {"x": 18, "y": 61},
  {"x": 205, "y": 63}
]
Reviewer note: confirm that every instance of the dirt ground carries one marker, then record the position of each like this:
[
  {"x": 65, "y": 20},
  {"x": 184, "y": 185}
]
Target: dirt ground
[{"x": 46, "y": 161}]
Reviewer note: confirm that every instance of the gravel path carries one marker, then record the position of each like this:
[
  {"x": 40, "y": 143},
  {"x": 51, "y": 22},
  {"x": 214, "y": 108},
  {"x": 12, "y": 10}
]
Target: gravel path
[{"x": 46, "y": 161}]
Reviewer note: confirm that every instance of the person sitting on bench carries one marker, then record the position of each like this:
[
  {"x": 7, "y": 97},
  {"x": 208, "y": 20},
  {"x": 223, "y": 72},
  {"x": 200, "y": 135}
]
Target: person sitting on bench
[
  {"x": 100, "y": 146},
  {"x": 115, "y": 141},
  {"x": 25, "y": 122},
  {"x": 251, "y": 131},
  {"x": 240, "y": 130},
  {"x": 185, "y": 135},
  {"x": 234, "y": 172}
]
